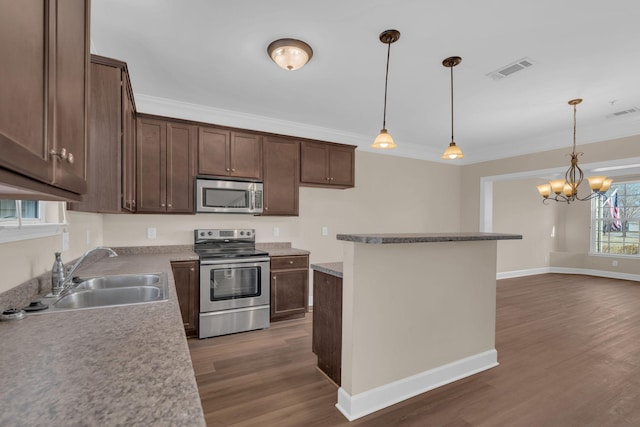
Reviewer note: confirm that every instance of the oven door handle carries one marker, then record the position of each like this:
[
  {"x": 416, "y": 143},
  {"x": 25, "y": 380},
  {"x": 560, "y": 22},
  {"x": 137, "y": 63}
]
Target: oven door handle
[{"x": 233, "y": 261}]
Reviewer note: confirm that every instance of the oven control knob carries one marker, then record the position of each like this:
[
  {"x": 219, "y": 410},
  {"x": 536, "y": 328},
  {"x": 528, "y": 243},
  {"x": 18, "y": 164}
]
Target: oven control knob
[
  {"x": 242, "y": 233},
  {"x": 202, "y": 234},
  {"x": 210, "y": 233}
]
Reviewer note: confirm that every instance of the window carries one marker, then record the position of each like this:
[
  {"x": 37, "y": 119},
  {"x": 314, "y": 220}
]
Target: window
[
  {"x": 30, "y": 219},
  {"x": 616, "y": 220},
  {"x": 30, "y": 211}
]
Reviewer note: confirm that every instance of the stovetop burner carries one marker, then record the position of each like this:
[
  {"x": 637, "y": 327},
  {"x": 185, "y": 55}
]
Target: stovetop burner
[{"x": 226, "y": 243}]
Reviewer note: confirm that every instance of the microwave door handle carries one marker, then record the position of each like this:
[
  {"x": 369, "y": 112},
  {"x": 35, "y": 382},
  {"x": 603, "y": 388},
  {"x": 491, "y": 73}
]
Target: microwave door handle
[{"x": 252, "y": 196}]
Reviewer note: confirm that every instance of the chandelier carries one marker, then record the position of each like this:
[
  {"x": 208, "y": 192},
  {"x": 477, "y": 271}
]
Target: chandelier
[
  {"x": 384, "y": 140},
  {"x": 453, "y": 151},
  {"x": 566, "y": 190}
]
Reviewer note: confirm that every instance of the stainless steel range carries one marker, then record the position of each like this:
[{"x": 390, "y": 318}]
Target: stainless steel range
[{"x": 234, "y": 282}]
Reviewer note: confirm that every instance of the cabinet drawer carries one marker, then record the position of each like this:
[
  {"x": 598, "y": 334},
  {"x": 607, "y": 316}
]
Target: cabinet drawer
[{"x": 288, "y": 262}]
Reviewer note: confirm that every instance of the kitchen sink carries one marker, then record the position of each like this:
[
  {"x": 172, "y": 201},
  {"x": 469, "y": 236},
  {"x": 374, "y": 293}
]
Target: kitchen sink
[
  {"x": 106, "y": 291},
  {"x": 110, "y": 296},
  {"x": 120, "y": 281}
]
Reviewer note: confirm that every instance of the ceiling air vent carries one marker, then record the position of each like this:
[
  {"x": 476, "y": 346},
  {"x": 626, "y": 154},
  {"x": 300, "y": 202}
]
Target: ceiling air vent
[
  {"x": 514, "y": 67},
  {"x": 632, "y": 110}
]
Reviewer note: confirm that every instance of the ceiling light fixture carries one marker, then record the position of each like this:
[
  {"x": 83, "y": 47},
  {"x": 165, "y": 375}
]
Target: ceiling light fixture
[
  {"x": 384, "y": 139},
  {"x": 566, "y": 190},
  {"x": 290, "y": 54},
  {"x": 453, "y": 151}
]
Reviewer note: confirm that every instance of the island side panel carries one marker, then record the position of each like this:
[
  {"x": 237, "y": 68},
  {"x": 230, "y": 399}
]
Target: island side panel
[{"x": 410, "y": 308}]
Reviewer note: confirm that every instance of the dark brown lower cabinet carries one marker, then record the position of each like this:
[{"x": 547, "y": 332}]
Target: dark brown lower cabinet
[
  {"x": 187, "y": 278},
  {"x": 289, "y": 287},
  {"x": 327, "y": 324}
]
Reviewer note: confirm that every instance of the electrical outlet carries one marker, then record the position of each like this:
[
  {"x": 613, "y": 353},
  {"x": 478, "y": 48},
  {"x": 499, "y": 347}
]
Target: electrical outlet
[
  {"x": 614, "y": 263},
  {"x": 151, "y": 232},
  {"x": 325, "y": 231},
  {"x": 276, "y": 231},
  {"x": 88, "y": 237}
]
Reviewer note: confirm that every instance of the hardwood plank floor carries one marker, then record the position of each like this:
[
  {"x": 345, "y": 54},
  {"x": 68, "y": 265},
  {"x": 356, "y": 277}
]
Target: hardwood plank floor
[{"x": 568, "y": 348}]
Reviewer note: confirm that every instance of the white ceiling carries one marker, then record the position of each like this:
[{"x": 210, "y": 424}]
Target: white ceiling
[{"x": 206, "y": 59}]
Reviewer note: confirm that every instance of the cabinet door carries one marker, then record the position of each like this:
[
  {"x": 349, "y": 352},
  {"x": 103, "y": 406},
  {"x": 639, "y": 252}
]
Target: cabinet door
[
  {"x": 23, "y": 98},
  {"x": 289, "y": 294},
  {"x": 213, "y": 151},
  {"x": 341, "y": 166},
  {"x": 105, "y": 123},
  {"x": 281, "y": 166},
  {"x": 180, "y": 167},
  {"x": 128, "y": 148},
  {"x": 314, "y": 163},
  {"x": 246, "y": 155},
  {"x": 71, "y": 93},
  {"x": 186, "y": 278},
  {"x": 327, "y": 324},
  {"x": 151, "y": 165}
]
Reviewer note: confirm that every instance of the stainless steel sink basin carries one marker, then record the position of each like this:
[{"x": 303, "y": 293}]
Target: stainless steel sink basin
[
  {"x": 105, "y": 291},
  {"x": 110, "y": 296},
  {"x": 121, "y": 281}
]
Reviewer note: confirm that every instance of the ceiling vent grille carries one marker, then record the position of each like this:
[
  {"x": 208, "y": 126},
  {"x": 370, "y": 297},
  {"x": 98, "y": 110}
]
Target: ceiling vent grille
[
  {"x": 621, "y": 113},
  {"x": 508, "y": 70}
]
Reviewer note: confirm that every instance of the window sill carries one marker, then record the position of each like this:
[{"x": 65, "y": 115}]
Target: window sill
[
  {"x": 596, "y": 254},
  {"x": 29, "y": 231}
]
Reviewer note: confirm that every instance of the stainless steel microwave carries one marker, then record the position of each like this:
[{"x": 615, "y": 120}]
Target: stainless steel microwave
[{"x": 225, "y": 195}]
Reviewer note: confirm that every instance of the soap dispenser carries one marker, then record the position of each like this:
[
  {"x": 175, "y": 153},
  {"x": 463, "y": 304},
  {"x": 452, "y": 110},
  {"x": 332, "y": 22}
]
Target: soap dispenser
[{"x": 57, "y": 275}]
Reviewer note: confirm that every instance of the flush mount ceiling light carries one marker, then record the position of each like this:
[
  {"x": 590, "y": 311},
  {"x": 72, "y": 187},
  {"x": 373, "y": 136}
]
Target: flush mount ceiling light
[
  {"x": 452, "y": 152},
  {"x": 384, "y": 140},
  {"x": 290, "y": 54},
  {"x": 566, "y": 190}
]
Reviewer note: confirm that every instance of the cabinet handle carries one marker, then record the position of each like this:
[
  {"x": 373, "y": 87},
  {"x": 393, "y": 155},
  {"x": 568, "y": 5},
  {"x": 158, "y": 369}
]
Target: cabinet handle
[
  {"x": 290, "y": 262},
  {"x": 133, "y": 203},
  {"x": 162, "y": 205},
  {"x": 169, "y": 205},
  {"x": 233, "y": 170},
  {"x": 228, "y": 170},
  {"x": 331, "y": 179},
  {"x": 266, "y": 208},
  {"x": 62, "y": 155},
  {"x": 192, "y": 269}
]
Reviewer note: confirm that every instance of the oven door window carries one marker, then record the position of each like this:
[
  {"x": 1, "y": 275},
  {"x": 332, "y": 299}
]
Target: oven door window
[
  {"x": 233, "y": 283},
  {"x": 225, "y": 198}
]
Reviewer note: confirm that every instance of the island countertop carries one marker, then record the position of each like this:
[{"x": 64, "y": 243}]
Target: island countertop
[
  {"x": 126, "y": 365},
  {"x": 386, "y": 238}
]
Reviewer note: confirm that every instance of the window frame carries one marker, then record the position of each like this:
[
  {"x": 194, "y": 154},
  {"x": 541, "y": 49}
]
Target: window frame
[
  {"x": 595, "y": 229},
  {"x": 12, "y": 230}
]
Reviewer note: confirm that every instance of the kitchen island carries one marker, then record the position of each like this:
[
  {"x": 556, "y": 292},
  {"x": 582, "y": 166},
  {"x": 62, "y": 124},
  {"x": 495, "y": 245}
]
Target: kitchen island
[
  {"x": 418, "y": 313},
  {"x": 126, "y": 365}
]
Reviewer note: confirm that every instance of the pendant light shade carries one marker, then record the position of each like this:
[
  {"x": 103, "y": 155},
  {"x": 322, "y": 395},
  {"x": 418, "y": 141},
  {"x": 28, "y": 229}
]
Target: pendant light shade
[
  {"x": 290, "y": 54},
  {"x": 453, "y": 151},
  {"x": 384, "y": 140}
]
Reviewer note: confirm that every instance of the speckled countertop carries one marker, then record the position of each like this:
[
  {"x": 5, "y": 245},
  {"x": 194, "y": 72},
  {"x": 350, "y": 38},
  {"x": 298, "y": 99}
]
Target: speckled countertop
[
  {"x": 280, "y": 249},
  {"x": 425, "y": 237},
  {"x": 126, "y": 366},
  {"x": 330, "y": 268}
]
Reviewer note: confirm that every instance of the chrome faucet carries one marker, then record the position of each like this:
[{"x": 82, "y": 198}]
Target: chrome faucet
[{"x": 68, "y": 281}]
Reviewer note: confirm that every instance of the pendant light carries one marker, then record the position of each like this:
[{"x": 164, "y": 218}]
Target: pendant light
[
  {"x": 453, "y": 151},
  {"x": 566, "y": 190},
  {"x": 384, "y": 139},
  {"x": 290, "y": 54}
]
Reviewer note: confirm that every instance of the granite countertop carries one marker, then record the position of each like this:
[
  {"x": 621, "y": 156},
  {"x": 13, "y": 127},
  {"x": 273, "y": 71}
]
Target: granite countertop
[
  {"x": 127, "y": 365},
  {"x": 280, "y": 249},
  {"x": 425, "y": 237},
  {"x": 330, "y": 268}
]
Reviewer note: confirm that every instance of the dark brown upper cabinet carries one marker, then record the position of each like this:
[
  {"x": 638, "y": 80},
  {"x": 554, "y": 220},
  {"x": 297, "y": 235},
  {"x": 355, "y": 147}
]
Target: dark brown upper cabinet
[
  {"x": 327, "y": 165},
  {"x": 165, "y": 166},
  {"x": 111, "y": 172},
  {"x": 228, "y": 153},
  {"x": 44, "y": 95},
  {"x": 281, "y": 167}
]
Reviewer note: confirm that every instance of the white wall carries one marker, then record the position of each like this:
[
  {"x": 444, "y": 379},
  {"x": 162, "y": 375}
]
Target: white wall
[{"x": 392, "y": 194}]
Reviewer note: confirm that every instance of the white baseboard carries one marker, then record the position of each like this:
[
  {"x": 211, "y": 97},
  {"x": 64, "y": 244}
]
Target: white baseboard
[
  {"x": 567, "y": 270},
  {"x": 354, "y": 407},
  {"x": 522, "y": 273}
]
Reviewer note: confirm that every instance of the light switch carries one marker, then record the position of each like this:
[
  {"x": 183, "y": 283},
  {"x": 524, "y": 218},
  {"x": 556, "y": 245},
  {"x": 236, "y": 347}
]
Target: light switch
[
  {"x": 65, "y": 241},
  {"x": 276, "y": 231},
  {"x": 325, "y": 231}
]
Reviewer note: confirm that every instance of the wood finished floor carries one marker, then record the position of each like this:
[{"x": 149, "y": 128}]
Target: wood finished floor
[{"x": 568, "y": 348}]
